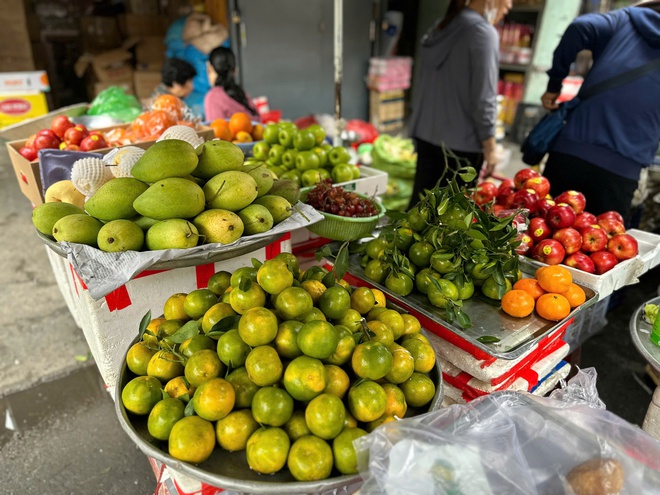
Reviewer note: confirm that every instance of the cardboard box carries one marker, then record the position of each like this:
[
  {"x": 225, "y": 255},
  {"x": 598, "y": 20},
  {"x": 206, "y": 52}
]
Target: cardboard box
[
  {"x": 387, "y": 109},
  {"x": 150, "y": 53},
  {"x": 145, "y": 82},
  {"x": 15, "y": 48},
  {"x": 24, "y": 81},
  {"x": 109, "y": 66},
  {"x": 143, "y": 25},
  {"x": 29, "y": 177}
]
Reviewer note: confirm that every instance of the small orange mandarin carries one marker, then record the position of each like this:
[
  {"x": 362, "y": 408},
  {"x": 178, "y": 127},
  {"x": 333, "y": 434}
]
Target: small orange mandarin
[
  {"x": 221, "y": 129},
  {"x": 240, "y": 122},
  {"x": 553, "y": 307},
  {"x": 575, "y": 295},
  {"x": 531, "y": 286},
  {"x": 518, "y": 303},
  {"x": 555, "y": 278},
  {"x": 243, "y": 137},
  {"x": 258, "y": 132}
]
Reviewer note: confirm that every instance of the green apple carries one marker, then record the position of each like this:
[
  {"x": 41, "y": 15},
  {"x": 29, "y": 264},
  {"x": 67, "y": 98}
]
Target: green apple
[
  {"x": 289, "y": 159},
  {"x": 304, "y": 140},
  {"x": 326, "y": 146},
  {"x": 356, "y": 172},
  {"x": 307, "y": 160},
  {"x": 292, "y": 175},
  {"x": 325, "y": 173},
  {"x": 286, "y": 137},
  {"x": 318, "y": 131},
  {"x": 260, "y": 150},
  {"x": 271, "y": 133},
  {"x": 275, "y": 154},
  {"x": 338, "y": 155},
  {"x": 323, "y": 155},
  {"x": 342, "y": 173},
  {"x": 311, "y": 177}
]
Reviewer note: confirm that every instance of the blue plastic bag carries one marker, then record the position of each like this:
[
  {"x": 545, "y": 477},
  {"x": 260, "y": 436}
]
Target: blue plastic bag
[{"x": 540, "y": 139}]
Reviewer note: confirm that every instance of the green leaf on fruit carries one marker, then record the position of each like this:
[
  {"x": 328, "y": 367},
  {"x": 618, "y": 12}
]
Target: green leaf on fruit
[
  {"x": 165, "y": 395},
  {"x": 184, "y": 397},
  {"x": 245, "y": 284},
  {"x": 256, "y": 263},
  {"x": 469, "y": 175},
  {"x": 442, "y": 207},
  {"x": 144, "y": 323},
  {"x": 224, "y": 325},
  {"x": 328, "y": 279},
  {"x": 488, "y": 339},
  {"x": 475, "y": 234},
  {"x": 189, "y": 410},
  {"x": 463, "y": 319},
  {"x": 341, "y": 263},
  {"x": 395, "y": 215},
  {"x": 187, "y": 331}
]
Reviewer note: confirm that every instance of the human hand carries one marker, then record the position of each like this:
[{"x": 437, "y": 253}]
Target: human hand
[
  {"x": 549, "y": 100},
  {"x": 490, "y": 160}
]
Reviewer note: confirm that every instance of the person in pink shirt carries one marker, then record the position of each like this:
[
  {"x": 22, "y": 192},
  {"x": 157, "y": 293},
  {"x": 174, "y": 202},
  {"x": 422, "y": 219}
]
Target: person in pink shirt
[{"x": 225, "y": 97}]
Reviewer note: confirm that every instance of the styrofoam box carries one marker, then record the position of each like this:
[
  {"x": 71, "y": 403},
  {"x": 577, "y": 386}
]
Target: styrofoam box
[
  {"x": 112, "y": 322},
  {"x": 625, "y": 273}
]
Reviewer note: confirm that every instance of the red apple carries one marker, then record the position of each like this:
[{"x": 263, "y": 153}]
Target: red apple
[
  {"x": 584, "y": 220},
  {"x": 593, "y": 239},
  {"x": 60, "y": 124},
  {"x": 505, "y": 197},
  {"x": 74, "y": 135},
  {"x": 575, "y": 199},
  {"x": 623, "y": 246},
  {"x": 569, "y": 238},
  {"x": 71, "y": 147},
  {"x": 29, "y": 143},
  {"x": 526, "y": 243},
  {"x": 615, "y": 215},
  {"x": 544, "y": 205},
  {"x": 526, "y": 198},
  {"x": 30, "y": 154},
  {"x": 549, "y": 251},
  {"x": 521, "y": 177},
  {"x": 506, "y": 183},
  {"x": 604, "y": 261},
  {"x": 580, "y": 261},
  {"x": 47, "y": 132},
  {"x": 611, "y": 227},
  {"x": 45, "y": 141},
  {"x": 560, "y": 216},
  {"x": 93, "y": 142},
  {"x": 540, "y": 184},
  {"x": 539, "y": 229},
  {"x": 485, "y": 193}
]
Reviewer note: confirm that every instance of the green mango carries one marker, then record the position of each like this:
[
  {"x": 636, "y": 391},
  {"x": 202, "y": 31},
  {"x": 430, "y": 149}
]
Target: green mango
[
  {"x": 171, "y": 198},
  {"x": 231, "y": 191},
  {"x": 166, "y": 159},
  {"x": 174, "y": 233},
  {"x": 114, "y": 199},
  {"x": 80, "y": 228},
  {"x": 279, "y": 208},
  {"x": 120, "y": 235},
  {"x": 46, "y": 215},
  {"x": 217, "y": 156}
]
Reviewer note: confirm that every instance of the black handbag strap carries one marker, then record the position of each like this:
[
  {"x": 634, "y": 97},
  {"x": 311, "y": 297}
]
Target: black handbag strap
[{"x": 620, "y": 80}]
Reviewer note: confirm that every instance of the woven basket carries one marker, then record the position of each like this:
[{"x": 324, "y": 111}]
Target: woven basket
[{"x": 340, "y": 228}]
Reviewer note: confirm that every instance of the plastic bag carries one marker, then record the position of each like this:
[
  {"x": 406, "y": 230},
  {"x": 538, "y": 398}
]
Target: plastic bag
[
  {"x": 513, "y": 443},
  {"x": 114, "y": 102}
]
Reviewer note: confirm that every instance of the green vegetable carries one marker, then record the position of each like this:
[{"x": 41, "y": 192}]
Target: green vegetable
[{"x": 651, "y": 312}]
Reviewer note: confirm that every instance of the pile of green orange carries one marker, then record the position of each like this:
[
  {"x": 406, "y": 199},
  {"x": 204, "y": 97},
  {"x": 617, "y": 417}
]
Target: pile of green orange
[{"x": 274, "y": 362}]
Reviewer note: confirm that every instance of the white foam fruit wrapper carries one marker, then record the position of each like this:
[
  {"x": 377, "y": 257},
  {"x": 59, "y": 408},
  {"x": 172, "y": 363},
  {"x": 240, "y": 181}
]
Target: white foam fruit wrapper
[
  {"x": 89, "y": 174},
  {"x": 121, "y": 161},
  {"x": 183, "y": 133}
]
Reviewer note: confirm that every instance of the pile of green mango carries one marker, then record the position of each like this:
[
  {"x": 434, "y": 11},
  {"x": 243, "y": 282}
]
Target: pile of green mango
[{"x": 178, "y": 197}]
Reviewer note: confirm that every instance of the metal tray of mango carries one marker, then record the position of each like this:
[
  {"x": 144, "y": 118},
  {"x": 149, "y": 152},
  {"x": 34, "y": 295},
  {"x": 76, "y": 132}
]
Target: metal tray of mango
[{"x": 492, "y": 330}]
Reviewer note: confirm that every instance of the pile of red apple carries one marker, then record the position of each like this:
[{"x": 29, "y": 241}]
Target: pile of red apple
[
  {"x": 560, "y": 230},
  {"x": 64, "y": 135}
]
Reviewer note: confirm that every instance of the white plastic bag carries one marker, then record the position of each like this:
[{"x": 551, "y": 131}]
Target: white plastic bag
[{"x": 506, "y": 442}]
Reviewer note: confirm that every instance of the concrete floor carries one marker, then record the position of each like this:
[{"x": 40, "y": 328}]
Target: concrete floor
[{"x": 61, "y": 434}]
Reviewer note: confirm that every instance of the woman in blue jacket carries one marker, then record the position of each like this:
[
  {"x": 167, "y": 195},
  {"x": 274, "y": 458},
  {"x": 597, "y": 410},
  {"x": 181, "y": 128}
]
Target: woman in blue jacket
[{"x": 610, "y": 137}]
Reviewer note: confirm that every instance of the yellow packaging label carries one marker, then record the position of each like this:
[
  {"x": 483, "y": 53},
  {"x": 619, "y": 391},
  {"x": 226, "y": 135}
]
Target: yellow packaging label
[{"x": 17, "y": 107}]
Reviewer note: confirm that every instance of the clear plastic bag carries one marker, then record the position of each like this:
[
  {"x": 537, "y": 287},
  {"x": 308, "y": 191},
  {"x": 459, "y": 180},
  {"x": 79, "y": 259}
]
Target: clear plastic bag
[{"x": 511, "y": 443}]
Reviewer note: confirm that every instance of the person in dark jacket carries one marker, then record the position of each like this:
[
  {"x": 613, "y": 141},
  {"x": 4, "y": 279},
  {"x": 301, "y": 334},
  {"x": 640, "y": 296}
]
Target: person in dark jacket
[
  {"x": 177, "y": 78},
  {"x": 609, "y": 138},
  {"x": 455, "y": 98}
]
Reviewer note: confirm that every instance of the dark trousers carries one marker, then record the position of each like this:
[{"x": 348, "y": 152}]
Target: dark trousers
[
  {"x": 432, "y": 167},
  {"x": 604, "y": 190}
]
